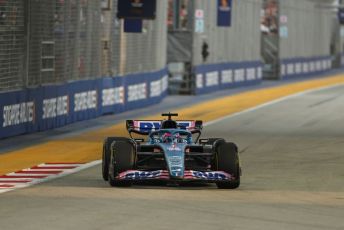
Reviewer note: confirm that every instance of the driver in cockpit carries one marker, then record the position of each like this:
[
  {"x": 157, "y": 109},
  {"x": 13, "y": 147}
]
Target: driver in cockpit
[{"x": 167, "y": 138}]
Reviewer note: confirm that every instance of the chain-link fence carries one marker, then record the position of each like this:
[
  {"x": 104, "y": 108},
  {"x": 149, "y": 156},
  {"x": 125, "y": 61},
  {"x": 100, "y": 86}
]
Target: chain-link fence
[
  {"x": 48, "y": 42},
  {"x": 64, "y": 41},
  {"x": 12, "y": 44},
  {"x": 139, "y": 52}
]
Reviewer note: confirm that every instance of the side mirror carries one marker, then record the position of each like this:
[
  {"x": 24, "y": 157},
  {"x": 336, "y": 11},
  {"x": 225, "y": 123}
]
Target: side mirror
[
  {"x": 203, "y": 141},
  {"x": 139, "y": 140}
]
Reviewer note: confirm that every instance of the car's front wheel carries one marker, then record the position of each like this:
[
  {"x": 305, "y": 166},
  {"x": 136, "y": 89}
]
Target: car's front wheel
[
  {"x": 106, "y": 154},
  {"x": 227, "y": 160},
  {"x": 123, "y": 156}
]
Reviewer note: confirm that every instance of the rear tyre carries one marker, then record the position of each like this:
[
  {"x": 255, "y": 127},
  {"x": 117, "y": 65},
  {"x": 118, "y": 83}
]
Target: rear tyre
[
  {"x": 122, "y": 158},
  {"x": 106, "y": 155},
  {"x": 227, "y": 160}
]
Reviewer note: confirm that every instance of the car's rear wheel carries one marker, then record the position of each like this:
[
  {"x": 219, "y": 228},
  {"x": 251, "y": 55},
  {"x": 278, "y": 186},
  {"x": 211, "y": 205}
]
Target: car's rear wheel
[
  {"x": 106, "y": 155},
  {"x": 227, "y": 160},
  {"x": 122, "y": 158}
]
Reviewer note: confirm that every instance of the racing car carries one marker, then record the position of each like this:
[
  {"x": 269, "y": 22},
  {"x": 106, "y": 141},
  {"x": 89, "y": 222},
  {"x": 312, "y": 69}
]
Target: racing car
[{"x": 172, "y": 151}]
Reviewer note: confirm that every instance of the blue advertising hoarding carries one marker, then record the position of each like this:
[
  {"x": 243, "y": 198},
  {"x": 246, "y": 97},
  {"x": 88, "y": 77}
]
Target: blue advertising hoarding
[
  {"x": 136, "y": 9},
  {"x": 224, "y": 13},
  {"x": 52, "y": 106}
]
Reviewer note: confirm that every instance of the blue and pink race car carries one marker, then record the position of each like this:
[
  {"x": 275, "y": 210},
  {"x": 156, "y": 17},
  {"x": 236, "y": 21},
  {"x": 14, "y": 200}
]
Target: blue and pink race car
[{"x": 172, "y": 152}]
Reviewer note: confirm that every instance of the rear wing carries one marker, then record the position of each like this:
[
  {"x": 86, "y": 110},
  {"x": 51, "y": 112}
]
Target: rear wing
[{"x": 145, "y": 127}]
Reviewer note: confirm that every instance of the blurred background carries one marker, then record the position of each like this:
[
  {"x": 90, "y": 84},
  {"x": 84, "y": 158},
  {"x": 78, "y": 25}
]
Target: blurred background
[{"x": 61, "y": 48}]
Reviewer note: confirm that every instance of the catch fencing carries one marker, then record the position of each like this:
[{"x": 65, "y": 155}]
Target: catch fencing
[
  {"x": 127, "y": 53},
  {"x": 53, "y": 42},
  {"x": 64, "y": 41},
  {"x": 12, "y": 44},
  {"x": 63, "y": 61}
]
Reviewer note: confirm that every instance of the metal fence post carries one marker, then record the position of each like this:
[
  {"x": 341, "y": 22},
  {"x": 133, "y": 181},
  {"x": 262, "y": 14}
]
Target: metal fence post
[{"x": 26, "y": 50}]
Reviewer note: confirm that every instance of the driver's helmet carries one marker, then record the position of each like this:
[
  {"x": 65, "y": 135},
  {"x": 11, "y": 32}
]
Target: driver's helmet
[
  {"x": 166, "y": 138},
  {"x": 178, "y": 138}
]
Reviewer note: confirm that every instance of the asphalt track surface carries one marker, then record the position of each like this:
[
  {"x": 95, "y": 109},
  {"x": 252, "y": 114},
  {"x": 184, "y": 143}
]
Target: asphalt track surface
[{"x": 292, "y": 153}]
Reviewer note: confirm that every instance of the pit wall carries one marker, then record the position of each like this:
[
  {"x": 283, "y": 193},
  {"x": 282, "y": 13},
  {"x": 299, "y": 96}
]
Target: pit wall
[
  {"x": 296, "y": 67},
  {"x": 53, "y": 106},
  {"x": 214, "y": 77}
]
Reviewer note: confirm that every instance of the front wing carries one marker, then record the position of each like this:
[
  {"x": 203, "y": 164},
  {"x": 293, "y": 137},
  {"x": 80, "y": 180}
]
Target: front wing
[{"x": 189, "y": 175}]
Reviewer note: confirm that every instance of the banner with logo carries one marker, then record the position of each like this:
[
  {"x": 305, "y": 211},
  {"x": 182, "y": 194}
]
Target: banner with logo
[
  {"x": 53, "y": 106},
  {"x": 136, "y": 9},
  {"x": 224, "y": 13}
]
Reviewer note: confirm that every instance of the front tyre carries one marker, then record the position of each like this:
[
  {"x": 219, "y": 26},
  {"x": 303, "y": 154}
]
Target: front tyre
[
  {"x": 106, "y": 158},
  {"x": 227, "y": 160},
  {"x": 123, "y": 156},
  {"x": 107, "y": 153}
]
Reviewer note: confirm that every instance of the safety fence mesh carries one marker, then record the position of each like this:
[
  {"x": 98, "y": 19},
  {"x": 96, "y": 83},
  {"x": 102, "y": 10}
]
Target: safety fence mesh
[
  {"x": 64, "y": 41},
  {"x": 139, "y": 52},
  {"x": 50, "y": 42},
  {"x": 12, "y": 44}
]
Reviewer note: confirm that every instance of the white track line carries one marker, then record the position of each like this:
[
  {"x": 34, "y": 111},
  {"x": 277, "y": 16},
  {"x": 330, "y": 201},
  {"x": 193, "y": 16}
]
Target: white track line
[
  {"x": 49, "y": 177},
  {"x": 270, "y": 103}
]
